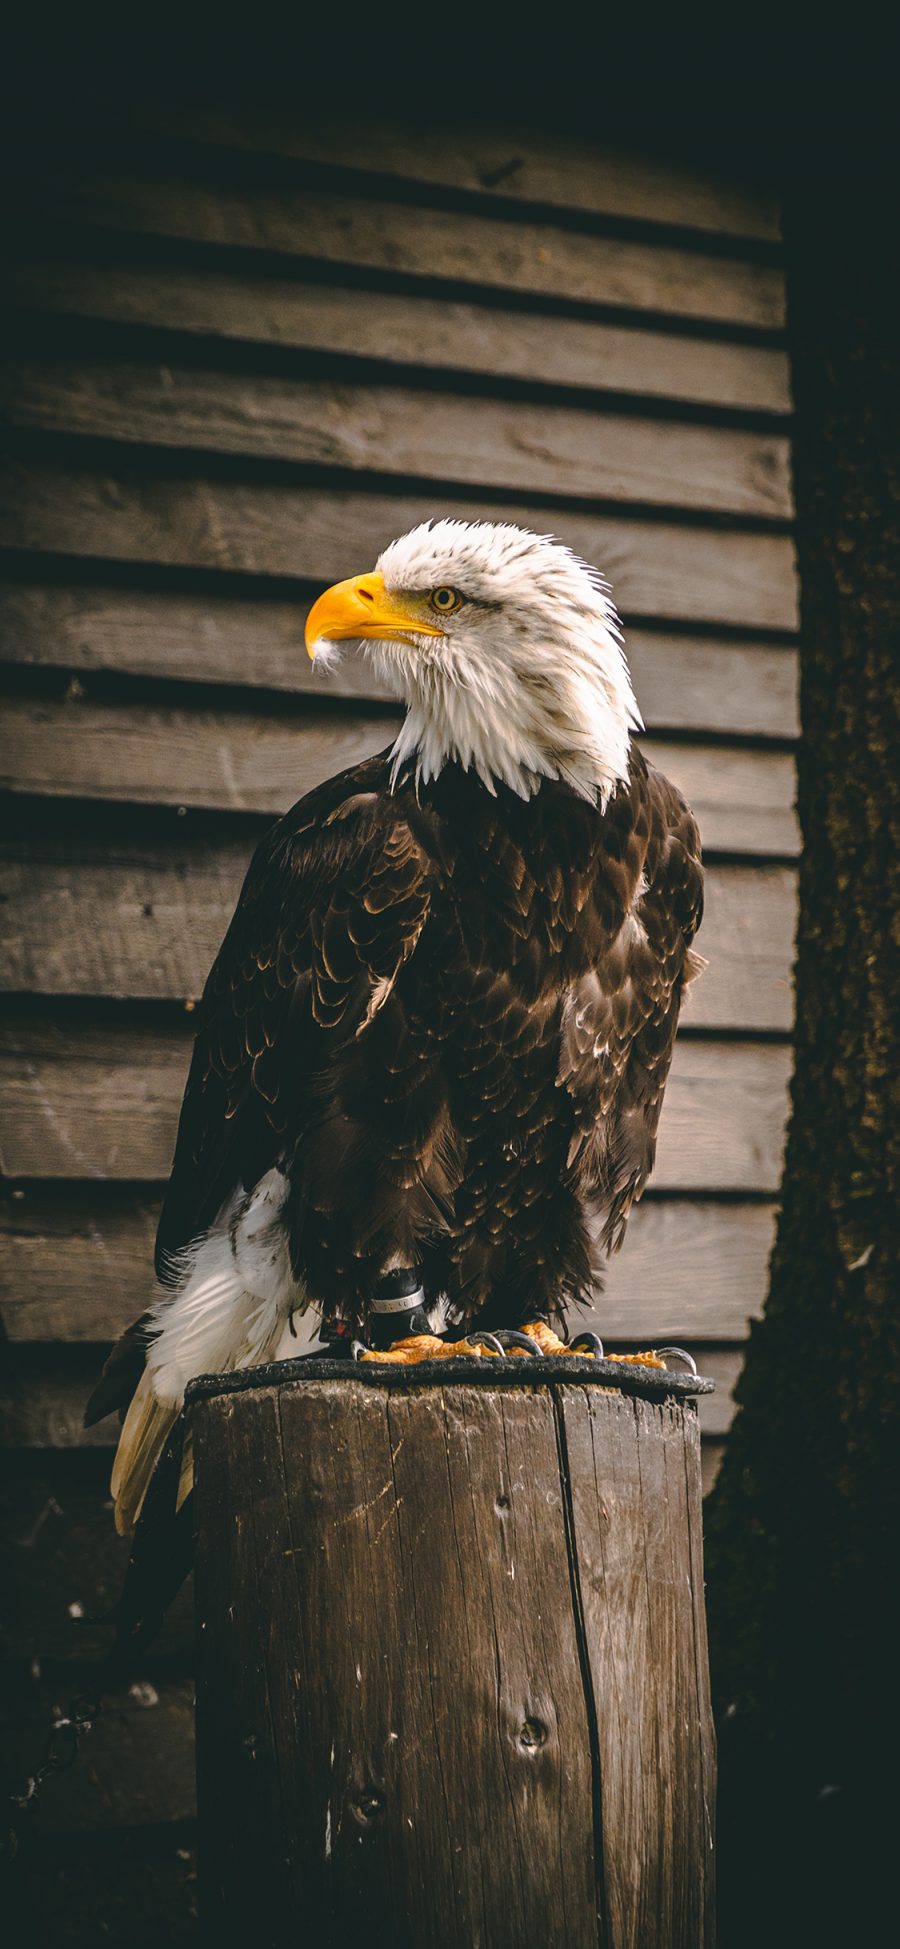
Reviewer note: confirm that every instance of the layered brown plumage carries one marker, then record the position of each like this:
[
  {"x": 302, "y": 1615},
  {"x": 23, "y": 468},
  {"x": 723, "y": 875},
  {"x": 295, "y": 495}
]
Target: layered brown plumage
[{"x": 450, "y": 1016}]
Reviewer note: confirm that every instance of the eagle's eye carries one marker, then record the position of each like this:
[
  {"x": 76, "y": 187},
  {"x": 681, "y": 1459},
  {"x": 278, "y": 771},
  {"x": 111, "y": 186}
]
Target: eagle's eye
[{"x": 445, "y": 601}]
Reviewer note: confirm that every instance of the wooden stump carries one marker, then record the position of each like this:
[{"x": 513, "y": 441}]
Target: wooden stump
[{"x": 452, "y": 1664}]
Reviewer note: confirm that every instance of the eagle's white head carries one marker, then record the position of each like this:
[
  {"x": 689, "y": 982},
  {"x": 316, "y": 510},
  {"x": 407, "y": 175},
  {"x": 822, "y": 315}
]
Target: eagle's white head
[{"x": 504, "y": 646}]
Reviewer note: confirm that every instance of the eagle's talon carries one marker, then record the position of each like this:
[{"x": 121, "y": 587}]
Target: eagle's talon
[
  {"x": 589, "y": 1344},
  {"x": 479, "y": 1343},
  {"x": 548, "y": 1343},
  {"x": 664, "y": 1354},
  {"x": 545, "y": 1340},
  {"x": 409, "y": 1351},
  {"x": 426, "y": 1346},
  {"x": 509, "y": 1341}
]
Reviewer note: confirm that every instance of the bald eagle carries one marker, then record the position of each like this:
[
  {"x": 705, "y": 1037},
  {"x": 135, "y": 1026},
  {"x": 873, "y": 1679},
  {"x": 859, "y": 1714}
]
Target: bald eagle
[{"x": 432, "y": 1050}]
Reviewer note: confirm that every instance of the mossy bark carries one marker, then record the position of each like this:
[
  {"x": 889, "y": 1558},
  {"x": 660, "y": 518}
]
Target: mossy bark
[{"x": 804, "y": 1523}]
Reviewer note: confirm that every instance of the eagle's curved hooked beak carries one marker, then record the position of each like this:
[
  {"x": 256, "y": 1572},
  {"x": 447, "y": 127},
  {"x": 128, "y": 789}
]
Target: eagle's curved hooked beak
[{"x": 361, "y": 606}]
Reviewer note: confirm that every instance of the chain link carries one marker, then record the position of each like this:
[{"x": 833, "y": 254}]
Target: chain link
[{"x": 66, "y": 1732}]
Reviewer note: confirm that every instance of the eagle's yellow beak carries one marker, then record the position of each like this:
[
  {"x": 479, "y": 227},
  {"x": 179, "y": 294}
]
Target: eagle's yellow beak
[{"x": 361, "y": 606}]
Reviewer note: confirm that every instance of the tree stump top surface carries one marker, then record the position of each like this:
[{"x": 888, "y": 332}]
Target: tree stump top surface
[{"x": 651, "y": 1383}]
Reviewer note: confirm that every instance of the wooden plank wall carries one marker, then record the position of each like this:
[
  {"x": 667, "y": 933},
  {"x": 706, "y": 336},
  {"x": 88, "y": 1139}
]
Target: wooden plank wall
[{"x": 242, "y": 358}]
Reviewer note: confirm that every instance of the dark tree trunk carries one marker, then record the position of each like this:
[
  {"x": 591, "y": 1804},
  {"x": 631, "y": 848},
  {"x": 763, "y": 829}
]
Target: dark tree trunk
[{"x": 804, "y": 1523}]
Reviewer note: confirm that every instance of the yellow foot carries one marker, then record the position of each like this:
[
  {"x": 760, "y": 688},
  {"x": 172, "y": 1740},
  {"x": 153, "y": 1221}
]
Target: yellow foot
[
  {"x": 548, "y": 1342},
  {"x": 426, "y": 1346}
]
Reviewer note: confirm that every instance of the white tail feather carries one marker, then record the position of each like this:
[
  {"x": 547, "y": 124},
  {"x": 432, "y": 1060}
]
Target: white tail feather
[
  {"x": 145, "y": 1431},
  {"x": 234, "y": 1293},
  {"x": 186, "y": 1478}
]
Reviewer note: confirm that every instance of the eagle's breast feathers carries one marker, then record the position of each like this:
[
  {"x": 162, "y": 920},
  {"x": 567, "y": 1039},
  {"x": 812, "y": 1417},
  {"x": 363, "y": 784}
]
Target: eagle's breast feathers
[{"x": 412, "y": 969}]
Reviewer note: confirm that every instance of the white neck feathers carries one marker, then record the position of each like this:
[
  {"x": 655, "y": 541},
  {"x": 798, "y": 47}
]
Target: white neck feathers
[{"x": 530, "y": 681}]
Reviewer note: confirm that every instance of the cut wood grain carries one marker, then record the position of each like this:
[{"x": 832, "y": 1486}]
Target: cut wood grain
[
  {"x": 657, "y": 568},
  {"x": 102, "y": 1102},
  {"x": 60, "y": 1550},
  {"x": 76, "y": 1270},
  {"x": 383, "y": 1801},
  {"x": 743, "y": 800},
  {"x": 42, "y": 1400},
  {"x": 534, "y": 258},
  {"x": 640, "y": 1464},
  {"x": 413, "y": 331},
  {"x": 515, "y": 164},
  {"x": 145, "y": 924},
  {"x": 470, "y": 443},
  {"x": 414, "y": 1513},
  {"x": 683, "y": 683}
]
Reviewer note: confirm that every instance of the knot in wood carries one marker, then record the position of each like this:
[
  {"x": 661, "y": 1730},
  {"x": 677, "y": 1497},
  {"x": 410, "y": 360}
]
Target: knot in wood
[
  {"x": 369, "y": 1803},
  {"x": 533, "y": 1734}
]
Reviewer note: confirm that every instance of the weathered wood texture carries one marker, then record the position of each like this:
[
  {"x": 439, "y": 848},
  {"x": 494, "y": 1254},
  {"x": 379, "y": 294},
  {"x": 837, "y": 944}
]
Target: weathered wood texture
[
  {"x": 505, "y": 163},
  {"x": 379, "y": 429},
  {"x": 157, "y": 515},
  {"x": 452, "y": 1678},
  {"x": 412, "y": 331},
  {"x": 533, "y": 258}
]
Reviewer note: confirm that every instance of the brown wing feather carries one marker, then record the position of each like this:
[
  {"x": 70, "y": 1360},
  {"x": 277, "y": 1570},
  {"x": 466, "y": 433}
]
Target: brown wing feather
[
  {"x": 620, "y": 1018},
  {"x": 331, "y": 908}
]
